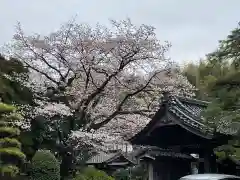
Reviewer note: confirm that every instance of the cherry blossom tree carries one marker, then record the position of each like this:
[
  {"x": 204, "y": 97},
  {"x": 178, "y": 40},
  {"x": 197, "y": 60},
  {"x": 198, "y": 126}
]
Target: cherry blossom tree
[{"x": 108, "y": 80}]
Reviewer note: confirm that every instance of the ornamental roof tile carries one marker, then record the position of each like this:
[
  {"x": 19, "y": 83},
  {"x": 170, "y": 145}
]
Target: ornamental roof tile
[
  {"x": 188, "y": 112},
  {"x": 153, "y": 151},
  {"x": 103, "y": 157},
  {"x": 182, "y": 111}
]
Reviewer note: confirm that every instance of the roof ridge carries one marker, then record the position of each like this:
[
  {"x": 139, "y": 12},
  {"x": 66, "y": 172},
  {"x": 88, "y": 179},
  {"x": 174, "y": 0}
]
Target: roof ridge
[
  {"x": 192, "y": 119},
  {"x": 187, "y": 109},
  {"x": 192, "y": 100},
  {"x": 118, "y": 154},
  {"x": 190, "y": 116}
]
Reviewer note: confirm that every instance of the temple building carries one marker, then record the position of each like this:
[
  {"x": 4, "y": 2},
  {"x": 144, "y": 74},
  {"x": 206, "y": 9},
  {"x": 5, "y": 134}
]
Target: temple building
[
  {"x": 179, "y": 127},
  {"x": 175, "y": 143}
]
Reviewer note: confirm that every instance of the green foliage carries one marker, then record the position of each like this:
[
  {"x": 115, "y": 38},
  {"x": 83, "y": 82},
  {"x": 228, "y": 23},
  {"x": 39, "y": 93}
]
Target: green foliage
[
  {"x": 5, "y": 108},
  {"x": 122, "y": 174},
  {"x": 224, "y": 111},
  {"x": 28, "y": 145},
  {"x": 91, "y": 173},
  {"x": 10, "y": 151},
  {"x": 13, "y": 117},
  {"x": 10, "y": 89},
  {"x": 45, "y": 166},
  {"x": 9, "y": 142},
  {"x": 11, "y": 66},
  {"x": 4, "y": 131},
  {"x": 224, "y": 151},
  {"x": 138, "y": 172},
  {"x": 10, "y": 148},
  {"x": 9, "y": 170},
  {"x": 204, "y": 76},
  {"x": 218, "y": 81},
  {"x": 229, "y": 49}
]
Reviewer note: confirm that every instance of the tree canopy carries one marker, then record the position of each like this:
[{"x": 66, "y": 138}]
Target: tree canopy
[
  {"x": 96, "y": 79},
  {"x": 217, "y": 79},
  {"x": 226, "y": 87},
  {"x": 11, "y": 90}
]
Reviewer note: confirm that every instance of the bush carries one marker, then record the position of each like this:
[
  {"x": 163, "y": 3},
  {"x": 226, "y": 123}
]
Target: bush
[
  {"x": 91, "y": 173},
  {"x": 44, "y": 166},
  {"x": 10, "y": 148}
]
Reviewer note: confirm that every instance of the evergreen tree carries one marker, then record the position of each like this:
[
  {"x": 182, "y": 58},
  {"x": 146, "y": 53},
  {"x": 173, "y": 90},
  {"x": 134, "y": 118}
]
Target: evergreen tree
[
  {"x": 11, "y": 156},
  {"x": 11, "y": 90},
  {"x": 224, "y": 110},
  {"x": 217, "y": 79},
  {"x": 223, "y": 113}
]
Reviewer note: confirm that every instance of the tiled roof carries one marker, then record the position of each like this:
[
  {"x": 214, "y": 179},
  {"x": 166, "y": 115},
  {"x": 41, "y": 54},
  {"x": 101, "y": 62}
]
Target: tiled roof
[
  {"x": 159, "y": 152},
  {"x": 134, "y": 156},
  {"x": 188, "y": 112},
  {"x": 100, "y": 158},
  {"x": 103, "y": 157},
  {"x": 175, "y": 110}
]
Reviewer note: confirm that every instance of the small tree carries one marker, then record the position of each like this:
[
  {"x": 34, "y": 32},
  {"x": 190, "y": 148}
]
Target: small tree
[
  {"x": 45, "y": 166},
  {"x": 10, "y": 147},
  {"x": 12, "y": 72},
  {"x": 91, "y": 173}
]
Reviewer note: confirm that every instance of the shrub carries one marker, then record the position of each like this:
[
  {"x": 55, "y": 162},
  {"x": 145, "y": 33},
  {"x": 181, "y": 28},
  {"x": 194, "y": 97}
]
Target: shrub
[
  {"x": 44, "y": 166},
  {"x": 10, "y": 148},
  {"x": 91, "y": 173}
]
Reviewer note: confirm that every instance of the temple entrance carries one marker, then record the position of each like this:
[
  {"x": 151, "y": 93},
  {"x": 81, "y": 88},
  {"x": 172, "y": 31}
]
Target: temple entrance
[{"x": 178, "y": 126}]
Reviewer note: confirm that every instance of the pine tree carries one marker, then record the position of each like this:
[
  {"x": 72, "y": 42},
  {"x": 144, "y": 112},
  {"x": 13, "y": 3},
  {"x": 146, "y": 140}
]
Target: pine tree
[
  {"x": 218, "y": 80},
  {"x": 11, "y": 89},
  {"x": 224, "y": 110},
  {"x": 11, "y": 156}
]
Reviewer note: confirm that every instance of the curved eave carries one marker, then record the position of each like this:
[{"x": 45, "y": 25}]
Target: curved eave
[
  {"x": 159, "y": 114},
  {"x": 193, "y": 101},
  {"x": 195, "y": 130},
  {"x": 120, "y": 154},
  {"x": 187, "y": 119},
  {"x": 192, "y": 123}
]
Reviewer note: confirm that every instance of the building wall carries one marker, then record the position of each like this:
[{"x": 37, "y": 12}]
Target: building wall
[{"x": 170, "y": 169}]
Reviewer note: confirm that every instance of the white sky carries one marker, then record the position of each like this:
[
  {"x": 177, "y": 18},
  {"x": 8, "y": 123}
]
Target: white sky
[{"x": 192, "y": 26}]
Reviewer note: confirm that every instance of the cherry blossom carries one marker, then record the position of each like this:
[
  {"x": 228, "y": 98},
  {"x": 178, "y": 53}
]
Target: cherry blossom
[
  {"x": 52, "y": 109},
  {"x": 114, "y": 76},
  {"x": 98, "y": 141}
]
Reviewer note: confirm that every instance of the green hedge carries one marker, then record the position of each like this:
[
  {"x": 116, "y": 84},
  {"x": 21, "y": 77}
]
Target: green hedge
[
  {"x": 45, "y": 166},
  {"x": 91, "y": 173}
]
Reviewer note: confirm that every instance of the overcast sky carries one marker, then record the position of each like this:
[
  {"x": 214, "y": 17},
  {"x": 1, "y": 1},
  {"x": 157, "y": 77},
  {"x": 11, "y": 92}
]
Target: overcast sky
[{"x": 192, "y": 26}]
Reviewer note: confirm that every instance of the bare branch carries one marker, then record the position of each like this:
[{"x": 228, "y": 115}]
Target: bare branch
[
  {"x": 119, "y": 107},
  {"x": 108, "y": 73}
]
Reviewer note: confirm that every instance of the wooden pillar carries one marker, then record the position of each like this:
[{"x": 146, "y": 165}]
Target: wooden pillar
[
  {"x": 213, "y": 162},
  {"x": 207, "y": 166},
  {"x": 209, "y": 160},
  {"x": 150, "y": 170}
]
